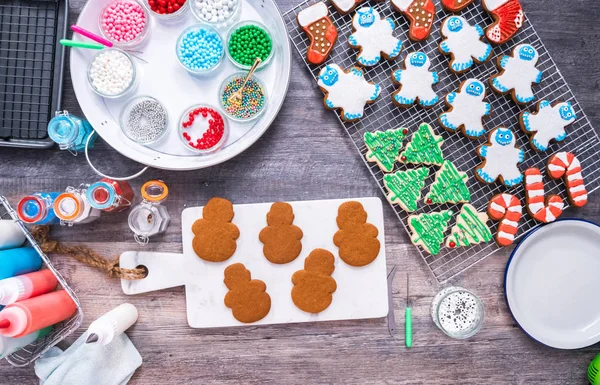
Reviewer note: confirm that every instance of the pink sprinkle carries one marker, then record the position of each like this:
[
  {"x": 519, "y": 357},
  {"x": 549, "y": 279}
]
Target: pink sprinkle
[{"x": 123, "y": 21}]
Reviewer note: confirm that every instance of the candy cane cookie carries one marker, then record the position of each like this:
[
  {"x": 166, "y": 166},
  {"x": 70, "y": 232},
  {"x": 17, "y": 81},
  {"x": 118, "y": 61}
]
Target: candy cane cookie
[
  {"x": 566, "y": 165},
  {"x": 507, "y": 209},
  {"x": 540, "y": 209}
]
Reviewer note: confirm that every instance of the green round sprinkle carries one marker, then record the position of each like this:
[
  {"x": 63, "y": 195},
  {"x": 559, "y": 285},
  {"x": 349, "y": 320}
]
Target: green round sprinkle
[{"x": 249, "y": 42}]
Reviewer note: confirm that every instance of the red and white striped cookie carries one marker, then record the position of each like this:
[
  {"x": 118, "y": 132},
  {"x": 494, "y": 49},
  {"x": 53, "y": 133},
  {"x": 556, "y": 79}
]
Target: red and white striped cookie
[
  {"x": 507, "y": 209},
  {"x": 540, "y": 209},
  {"x": 566, "y": 165}
]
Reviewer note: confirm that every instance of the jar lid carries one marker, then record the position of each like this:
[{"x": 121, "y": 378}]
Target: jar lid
[
  {"x": 101, "y": 195},
  {"x": 145, "y": 220},
  {"x": 63, "y": 130},
  {"x": 155, "y": 191},
  {"x": 31, "y": 209},
  {"x": 68, "y": 206}
]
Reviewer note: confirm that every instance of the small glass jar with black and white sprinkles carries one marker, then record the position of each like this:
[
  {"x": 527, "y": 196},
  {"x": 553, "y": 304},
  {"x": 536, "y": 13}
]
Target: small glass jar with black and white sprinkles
[
  {"x": 457, "y": 312},
  {"x": 144, "y": 120},
  {"x": 111, "y": 73}
]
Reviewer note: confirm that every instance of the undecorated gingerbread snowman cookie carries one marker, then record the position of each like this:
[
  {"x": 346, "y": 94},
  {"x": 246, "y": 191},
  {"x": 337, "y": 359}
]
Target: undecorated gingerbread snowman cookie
[
  {"x": 314, "y": 286},
  {"x": 214, "y": 234},
  {"x": 356, "y": 239},
  {"x": 247, "y": 297},
  {"x": 281, "y": 238}
]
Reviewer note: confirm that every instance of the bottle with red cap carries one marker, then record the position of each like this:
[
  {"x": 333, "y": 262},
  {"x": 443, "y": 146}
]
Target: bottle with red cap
[
  {"x": 38, "y": 209},
  {"x": 110, "y": 195},
  {"x": 150, "y": 217},
  {"x": 72, "y": 207}
]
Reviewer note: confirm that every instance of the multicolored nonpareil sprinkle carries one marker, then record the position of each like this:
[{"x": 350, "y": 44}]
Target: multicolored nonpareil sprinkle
[{"x": 252, "y": 101}]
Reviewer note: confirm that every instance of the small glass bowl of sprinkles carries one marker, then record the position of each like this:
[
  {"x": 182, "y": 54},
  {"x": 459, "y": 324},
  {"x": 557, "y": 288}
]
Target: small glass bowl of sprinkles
[
  {"x": 144, "y": 120},
  {"x": 125, "y": 23},
  {"x": 203, "y": 129},
  {"x": 217, "y": 13},
  {"x": 167, "y": 10},
  {"x": 112, "y": 73},
  {"x": 252, "y": 103},
  {"x": 199, "y": 49},
  {"x": 248, "y": 40}
]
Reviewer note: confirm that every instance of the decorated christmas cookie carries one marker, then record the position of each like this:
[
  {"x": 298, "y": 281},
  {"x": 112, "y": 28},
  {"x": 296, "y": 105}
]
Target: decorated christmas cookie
[
  {"x": 456, "y": 5},
  {"x": 345, "y": 6},
  {"x": 500, "y": 157},
  {"x": 507, "y": 209},
  {"x": 404, "y": 187},
  {"x": 315, "y": 21},
  {"x": 566, "y": 165},
  {"x": 508, "y": 19},
  {"x": 424, "y": 148},
  {"x": 518, "y": 73},
  {"x": 383, "y": 147},
  {"x": 450, "y": 186},
  {"x": 548, "y": 123},
  {"x": 348, "y": 91},
  {"x": 374, "y": 37},
  {"x": 416, "y": 82},
  {"x": 470, "y": 229},
  {"x": 467, "y": 109},
  {"x": 314, "y": 287},
  {"x": 463, "y": 43},
  {"x": 420, "y": 15},
  {"x": 428, "y": 230},
  {"x": 541, "y": 209},
  {"x": 356, "y": 238}
]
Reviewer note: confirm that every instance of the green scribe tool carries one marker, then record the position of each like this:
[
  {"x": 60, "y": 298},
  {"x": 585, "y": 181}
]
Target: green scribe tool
[
  {"x": 80, "y": 44},
  {"x": 408, "y": 318},
  {"x": 594, "y": 371}
]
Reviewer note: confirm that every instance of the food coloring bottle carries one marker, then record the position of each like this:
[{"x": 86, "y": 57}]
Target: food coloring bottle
[
  {"x": 10, "y": 345},
  {"x": 38, "y": 209},
  {"x": 11, "y": 235},
  {"x": 25, "y": 286},
  {"x": 72, "y": 207},
  {"x": 19, "y": 261},
  {"x": 70, "y": 132},
  {"x": 110, "y": 195},
  {"x": 150, "y": 217}
]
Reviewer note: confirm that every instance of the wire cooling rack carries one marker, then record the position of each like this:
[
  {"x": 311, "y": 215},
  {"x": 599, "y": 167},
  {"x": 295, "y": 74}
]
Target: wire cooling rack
[
  {"x": 582, "y": 140},
  {"x": 60, "y": 331}
]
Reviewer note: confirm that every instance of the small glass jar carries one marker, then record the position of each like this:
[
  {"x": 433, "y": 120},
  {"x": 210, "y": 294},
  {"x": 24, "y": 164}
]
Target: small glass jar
[
  {"x": 235, "y": 28},
  {"x": 222, "y": 22},
  {"x": 110, "y": 196},
  {"x": 203, "y": 129},
  {"x": 168, "y": 18},
  {"x": 150, "y": 217},
  {"x": 72, "y": 207},
  {"x": 70, "y": 132},
  {"x": 144, "y": 120},
  {"x": 202, "y": 29},
  {"x": 251, "y": 106},
  {"x": 126, "y": 90},
  {"x": 139, "y": 39},
  {"x": 457, "y": 312},
  {"x": 38, "y": 209}
]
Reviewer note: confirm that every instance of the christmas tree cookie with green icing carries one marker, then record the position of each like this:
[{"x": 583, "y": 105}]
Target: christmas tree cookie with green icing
[
  {"x": 404, "y": 187},
  {"x": 383, "y": 147},
  {"x": 470, "y": 229},
  {"x": 450, "y": 186},
  {"x": 428, "y": 230},
  {"x": 424, "y": 148}
]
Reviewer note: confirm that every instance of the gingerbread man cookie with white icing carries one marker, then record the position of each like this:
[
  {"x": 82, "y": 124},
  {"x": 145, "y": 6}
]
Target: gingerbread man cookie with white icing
[
  {"x": 518, "y": 74},
  {"x": 467, "y": 109},
  {"x": 416, "y": 82},
  {"x": 463, "y": 43}
]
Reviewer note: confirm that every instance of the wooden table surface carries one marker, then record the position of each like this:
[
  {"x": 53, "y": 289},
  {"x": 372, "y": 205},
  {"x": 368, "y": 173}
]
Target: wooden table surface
[{"x": 306, "y": 155}]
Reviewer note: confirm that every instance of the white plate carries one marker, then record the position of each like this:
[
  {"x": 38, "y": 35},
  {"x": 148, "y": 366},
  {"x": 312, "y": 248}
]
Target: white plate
[
  {"x": 552, "y": 285},
  {"x": 163, "y": 78}
]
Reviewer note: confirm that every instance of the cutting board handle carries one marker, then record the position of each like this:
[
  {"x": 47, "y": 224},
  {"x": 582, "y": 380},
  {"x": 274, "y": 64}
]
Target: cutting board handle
[{"x": 164, "y": 271}]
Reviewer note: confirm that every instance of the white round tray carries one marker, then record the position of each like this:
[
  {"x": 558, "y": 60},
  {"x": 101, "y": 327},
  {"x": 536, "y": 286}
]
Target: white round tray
[{"x": 160, "y": 75}]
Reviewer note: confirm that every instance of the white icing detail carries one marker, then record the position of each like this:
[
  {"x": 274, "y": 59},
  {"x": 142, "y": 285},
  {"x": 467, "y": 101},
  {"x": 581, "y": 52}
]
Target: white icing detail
[
  {"x": 402, "y": 4},
  {"x": 536, "y": 207},
  {"x": 344, "y": 5},
  {"x": 563, "y": 158},
  {"x": 465, "y": 43},
  {"x": 536, "y": 193},
  {"x": 460, "y": 222},
  {"x": 502, "y": 234},
  {"x": 553, "y": 167},
  {"x": 417, "y": 82},
  {"x": 558, "y": 205},
  {"x": 580, "y": 198},
  {"x": 516, "y": 209},
  {"x": 547, "y": 124},
  {"x": 574, "y": 164},
  {"x": 492, "y": 5},
  {"x": 507, "y": 198},
  {"x": 467, "y": 110},
  {"x": 510, "y": 223},
  {"x": 312, "y": 14},
  {"x": 577, "y": 189},
  {"x": 496, "y": 207},
  {"x": 549, "y": 216},
  {"x": 530, "y": 179},
  {"x": 502, "y": 160},
  {"x": 376, "y": 38},
  {"x": 576, "y": 176},
  {"x": 519, "y": 74}
]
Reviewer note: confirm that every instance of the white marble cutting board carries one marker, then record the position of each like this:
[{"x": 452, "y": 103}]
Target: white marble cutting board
[{"x": 361, "y": 291}]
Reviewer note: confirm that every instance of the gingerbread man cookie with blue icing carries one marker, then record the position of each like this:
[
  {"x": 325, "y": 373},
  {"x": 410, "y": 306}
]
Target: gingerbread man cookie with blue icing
[
  {"x": 501, "y": 158},
  {"x": 462, "y": 41},
  {"x": 416, "y": 82},
  {"x": 374, "y": 37},
  {"x": 467, "y": 109},
  {"x": 518, "y": 73},
  {"x": 548, "y": 123}
]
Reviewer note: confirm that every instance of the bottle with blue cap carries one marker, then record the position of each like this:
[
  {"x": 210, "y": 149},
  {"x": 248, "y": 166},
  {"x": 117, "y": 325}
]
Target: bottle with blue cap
[
  {"x": 38, "y": 209},
  {"x": 70, "y": 132}
]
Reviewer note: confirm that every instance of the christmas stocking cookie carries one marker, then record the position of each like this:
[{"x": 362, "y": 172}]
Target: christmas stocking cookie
[
  {"x": 463, "y": 43},
  {"x": 501, "y": 158},
  {"x": 315, "y": 21},
  {"x": 471, "y": 228},
  {"x": 518, "y": 74},
  {"x": 348, "y": 91},
  {"x": 467, "y": 109},
  {"x": 416, "y": 82},
  {"x": 374, "y": 37},
  {"x": 548, "y": 123},
  {"x": 420, "y": 15},
  {"x": 456, "y": 5},
  {"x": 428, "y": 230},
  {"x": 508, "y": 19}
]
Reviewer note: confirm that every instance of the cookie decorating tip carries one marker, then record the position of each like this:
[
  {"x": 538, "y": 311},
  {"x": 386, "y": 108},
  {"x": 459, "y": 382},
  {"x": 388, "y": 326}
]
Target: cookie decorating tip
[
  {"x": 4, "y": 323},
  {"x": 92, "y": 338}
]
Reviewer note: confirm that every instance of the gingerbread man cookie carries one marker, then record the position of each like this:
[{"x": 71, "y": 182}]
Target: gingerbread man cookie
[
  {"x": 247, "y": 298},
  {"x": 214, "y": 234},
  {"x": 356, "y": 239},
  {"x": 314, "y": 286},
  {"x": 508, "y": 19},
  {"x": 501, "y": 158},
  {"x": 463, "y": 43},
  {"x": 281, "y": 238},
  {"x": 456, "y": 5},
  {"x": 548, "y": 123},
  {"x": 374, "y": 37},
  {"x": 348, "y": 91},
  {"x": 467, "y": 109},
  {"x": 420, "y": 15},
  {"x": 416, "y": 82},
  {"x": 518, "y": 74},
  {"x": 315, "y": 21}
]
